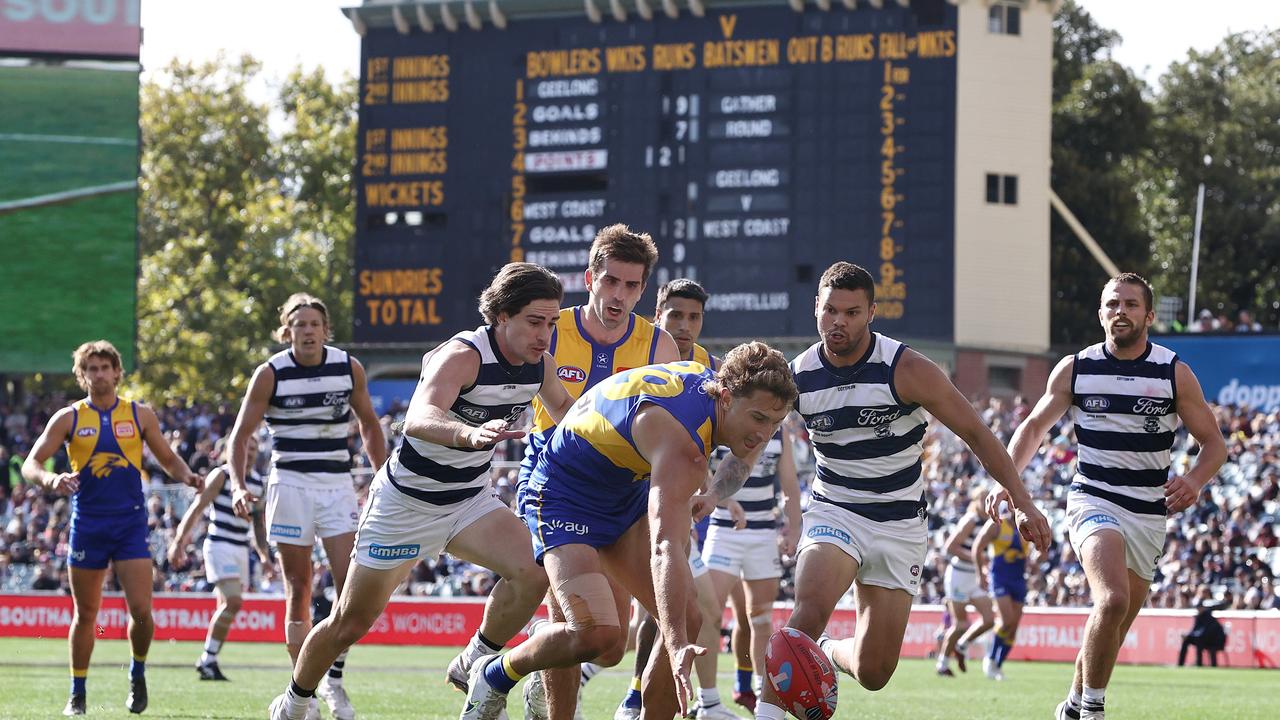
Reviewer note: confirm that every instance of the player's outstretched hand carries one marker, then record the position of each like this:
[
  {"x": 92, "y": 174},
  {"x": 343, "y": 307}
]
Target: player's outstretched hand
[
  {"x": 997, "y": 498},
  {"x": 176, "y": 559},
  {"x": 1032, "y": 525},
  {"x": 65, "y": 483},
  {"x": 243, "y": 502},
  {"x": 494, "y": 431},
  {"x": 1180, "y": 493},
  {"x": 192, "y": 479},
  {"x": 681, "y": 666}
]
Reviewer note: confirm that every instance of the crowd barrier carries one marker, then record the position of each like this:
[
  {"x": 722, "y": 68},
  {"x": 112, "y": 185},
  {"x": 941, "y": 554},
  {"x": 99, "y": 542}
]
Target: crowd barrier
[{"x": 1253, "y": 638}]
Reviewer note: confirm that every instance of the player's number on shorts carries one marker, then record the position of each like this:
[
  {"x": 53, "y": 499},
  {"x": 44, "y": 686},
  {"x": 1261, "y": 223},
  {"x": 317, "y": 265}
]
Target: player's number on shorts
[{"x": 658, "y": 381}]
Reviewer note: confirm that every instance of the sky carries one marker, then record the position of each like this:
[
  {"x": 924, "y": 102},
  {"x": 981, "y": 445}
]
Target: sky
[{"x": 282, "y": 33}]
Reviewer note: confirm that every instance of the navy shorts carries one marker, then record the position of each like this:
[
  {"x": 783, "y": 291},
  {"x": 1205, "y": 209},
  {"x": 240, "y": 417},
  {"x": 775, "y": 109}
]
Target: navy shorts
[
  {"x": 1014, "y": 588},
  {"x": 96, "y": 541},
  {"x": 560, "y": 513}
]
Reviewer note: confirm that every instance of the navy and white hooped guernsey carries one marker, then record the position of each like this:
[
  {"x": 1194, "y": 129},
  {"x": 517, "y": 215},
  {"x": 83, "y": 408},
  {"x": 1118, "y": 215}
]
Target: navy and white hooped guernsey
[
  {"x": 441, "y": 475},
  {"x": 308, "y": 415},
  {"x": 758, "y": 495},
  {"x": 866, "y": 440},
  {"x": 224, "y": 524},
  {"x": 1125, "y": 416}
]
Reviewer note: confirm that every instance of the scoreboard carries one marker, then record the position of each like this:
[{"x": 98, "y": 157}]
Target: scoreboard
[{"x": 757, "y": 145}]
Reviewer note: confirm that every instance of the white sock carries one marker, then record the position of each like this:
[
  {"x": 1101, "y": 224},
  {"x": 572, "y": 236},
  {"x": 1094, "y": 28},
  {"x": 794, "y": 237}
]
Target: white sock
[
  {"x": 962, "y": 648},
  {"x": 1093, "y": 699},
  {"x": 207, "y": 657},
  {"x": 212, "y": 646},
  {"x": 1073, "y": 699},
  {"x": 297, "y": 709},
  {"x": 476, "y": 649},
  {"x": 943, "y": 664},
  {"x": 766, "y": 711},
  {"x": 334, "y": 677},
  {"x": 757, "y": 684},
  {"x": 708, "y": 696},
  {"x": 590, "y": 670}
]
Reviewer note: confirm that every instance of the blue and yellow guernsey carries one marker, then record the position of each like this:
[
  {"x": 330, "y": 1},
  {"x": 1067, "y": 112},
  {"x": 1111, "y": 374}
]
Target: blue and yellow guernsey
[
  {"x": 700, "y": 355},
  {"x": 1008, "y": 559},
  {"x": 582, "y": 363},
  {"x": 105, "y": 448},
  {"x": 591, "y": 482}
]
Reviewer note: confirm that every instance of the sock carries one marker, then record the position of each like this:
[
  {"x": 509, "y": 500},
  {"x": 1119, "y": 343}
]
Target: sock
[
  {"x": 138, "y": 667},
  {"x": 997, "y": 644},
  {"x": 708, "y": 697},
  {"x": 590, "y": 670},
  {"x": 766, "y": 711},
  {"x": 742, "y": 680},
  {"x": 1074, "y": 699},
  {"x": 208, "y": 658},
  {"x": 78, "y": 678},
  {"x": 962, "y": 649},
  {"x": 1092, "y": 699},
  {"x": 335, "y": 672},
  {"x": 943, "y": 663},
  {"x": 757, "y": 684},
  {"x": 212, "y": 646},
  {"x": 500, "y": 676},
  {"x": 298, "y": 700},
  {"x": 479, "y": 647},
  {"x": 632, "y": 700},
  {"x": 1006, "y": 646}
]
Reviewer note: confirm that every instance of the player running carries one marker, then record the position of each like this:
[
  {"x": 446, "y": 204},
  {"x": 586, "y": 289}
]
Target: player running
[
  {"x": 225, "y": 549},
  {"x": 104, "y": 434},
  {"x": 307, "y": 394},
  {"x": 1006, "y": 577},
  {"x": 963, "y": 589}
]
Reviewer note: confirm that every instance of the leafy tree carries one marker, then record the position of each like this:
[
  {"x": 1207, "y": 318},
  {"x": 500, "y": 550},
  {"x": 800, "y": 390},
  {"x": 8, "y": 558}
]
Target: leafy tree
[
  {"x": 1101, "y": 125},
  {"x": 1223, "y": 103},
  {"x": 235, "y": 216}
]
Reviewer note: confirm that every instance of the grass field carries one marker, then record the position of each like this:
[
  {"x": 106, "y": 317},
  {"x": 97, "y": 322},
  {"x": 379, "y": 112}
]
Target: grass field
[
  {"x": 398, "y": 682},
  {"x": 69, "y": 271}
]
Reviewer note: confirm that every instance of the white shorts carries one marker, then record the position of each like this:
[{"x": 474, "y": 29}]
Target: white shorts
[
  {"x": 396, "y": 529},
  {"x": 696, "y": 566},
  {"x": 960, "y": 584},
  {"x": 297, "y": 516},
  {"x": 749, "y": 554},
  {"x": 1143, "y": 534},
  {"x": 225, "y": 561},
  {"x": 889, "y": 554}
]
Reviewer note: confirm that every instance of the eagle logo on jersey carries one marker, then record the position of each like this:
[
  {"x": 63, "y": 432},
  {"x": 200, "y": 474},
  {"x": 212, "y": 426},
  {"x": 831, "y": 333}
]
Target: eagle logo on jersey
[{"x": 101, "y": 464}]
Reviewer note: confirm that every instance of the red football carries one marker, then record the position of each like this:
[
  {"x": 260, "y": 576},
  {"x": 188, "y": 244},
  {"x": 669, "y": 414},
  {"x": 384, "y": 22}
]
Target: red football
[{"x": 801, "y": 675}]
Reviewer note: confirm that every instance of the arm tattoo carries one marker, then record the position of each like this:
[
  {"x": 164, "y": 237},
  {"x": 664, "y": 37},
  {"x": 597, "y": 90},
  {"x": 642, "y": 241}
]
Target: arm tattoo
[{"x": 729, "y": 478}]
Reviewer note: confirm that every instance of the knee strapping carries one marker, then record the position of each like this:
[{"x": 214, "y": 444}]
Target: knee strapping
[
  {"x": 296, "y": 632},
  {"x": 587, "y": 602}
]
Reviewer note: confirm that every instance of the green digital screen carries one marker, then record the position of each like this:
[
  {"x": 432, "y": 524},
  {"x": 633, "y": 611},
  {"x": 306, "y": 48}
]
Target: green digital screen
[{"x": 68, "y": 213}]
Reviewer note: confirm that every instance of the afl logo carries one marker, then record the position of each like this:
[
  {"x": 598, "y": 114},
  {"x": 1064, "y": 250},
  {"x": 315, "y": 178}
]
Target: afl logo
[
  {"x": 569, "y": 373},
  {"x": 1096, "y": 403},
  {"x": 474, "y": 414},
  {"x": 821, "y": 422},
  {"x": 87, "y": 432}
]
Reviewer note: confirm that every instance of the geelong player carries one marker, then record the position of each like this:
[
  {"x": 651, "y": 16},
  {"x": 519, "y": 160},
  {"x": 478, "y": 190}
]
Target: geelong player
[
  {"x": 104, "y": 434},
  {"x": 1125, "y": 396},
  {"x": 590, "y": 343},
  {"x": 610, "y": 498},
  {"x": 226, "y": 552},
  {"x": 962, "y": 588},
  {"x": 864, "y": 397},
  {"x": 433, "y": 495},
  {"x": 307, "y": 393}
]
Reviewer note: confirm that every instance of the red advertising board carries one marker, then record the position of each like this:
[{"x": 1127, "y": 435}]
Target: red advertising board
[
  {"x": 100, "y": 29},
  {"x": 1253, "y": 638}
]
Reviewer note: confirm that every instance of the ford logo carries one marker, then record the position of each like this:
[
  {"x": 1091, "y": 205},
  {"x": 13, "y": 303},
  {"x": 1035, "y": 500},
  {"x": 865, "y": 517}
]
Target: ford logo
[
  {"x": 1096, "y": 403},
  {"x": 569, "y": 373}
]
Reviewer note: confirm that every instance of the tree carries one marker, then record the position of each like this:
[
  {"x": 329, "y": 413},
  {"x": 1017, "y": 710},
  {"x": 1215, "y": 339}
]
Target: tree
[
  {"x": 1100, "y": 128},
  {"x": 234, "y": 217},
  {"x": 1223, "y": 103}
]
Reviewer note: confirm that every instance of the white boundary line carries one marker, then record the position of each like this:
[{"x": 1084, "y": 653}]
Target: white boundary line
[
  {"x": 22, "y": 137},
  {"x": 54, "y": 198}
]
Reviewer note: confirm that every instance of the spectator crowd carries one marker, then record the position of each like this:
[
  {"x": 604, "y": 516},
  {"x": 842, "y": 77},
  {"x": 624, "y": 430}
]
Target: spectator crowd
[{"x": 1225, "y": 547}]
